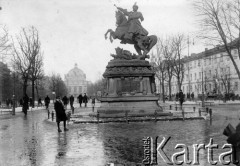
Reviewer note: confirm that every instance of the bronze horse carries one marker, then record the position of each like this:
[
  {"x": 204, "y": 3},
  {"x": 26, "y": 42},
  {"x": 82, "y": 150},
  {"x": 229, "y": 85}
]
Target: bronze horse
[{"x": 141, "y": 43}]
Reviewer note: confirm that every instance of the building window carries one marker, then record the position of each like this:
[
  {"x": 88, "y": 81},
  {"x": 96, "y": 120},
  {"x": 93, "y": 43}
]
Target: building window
[
  {"x": 210, "y": 73},
  {"x": 190, "y": 77},
  {"x": 75, "y": 89},
  {"x": 199, "y": 62},
  {"x": 204, "y": 62},
  {"x": 209, "y": 60},
  {"x": 195, "y": 75},
  {"x": 195, "y": 63}
]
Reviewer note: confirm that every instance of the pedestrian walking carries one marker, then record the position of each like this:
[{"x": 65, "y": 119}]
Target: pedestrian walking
[
  {"x": 60, "y": 114},
  {"x": 85, "y": 100},
  {"x": 65, "y": 101},
  {"x": 181, "y": 98},
  {"x": 80, "y": 99},
  {"x": 47, "y": 101},
  {"x": 25, "y": 104},
  {"x": 71, "y": 99}
]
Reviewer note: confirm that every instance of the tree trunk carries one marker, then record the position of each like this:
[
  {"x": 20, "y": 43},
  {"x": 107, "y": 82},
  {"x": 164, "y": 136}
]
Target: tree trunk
[
  {"x": 170, "y": 90},
  {"x": 33, "y": 95},
  {"x": 24, "y": 87}
]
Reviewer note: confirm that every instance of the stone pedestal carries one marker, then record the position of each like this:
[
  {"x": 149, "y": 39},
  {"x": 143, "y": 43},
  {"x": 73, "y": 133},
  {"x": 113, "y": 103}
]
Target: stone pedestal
[{"x": 130, "y": 89}]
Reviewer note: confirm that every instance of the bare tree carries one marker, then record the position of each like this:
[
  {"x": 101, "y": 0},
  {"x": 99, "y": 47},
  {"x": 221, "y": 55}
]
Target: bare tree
[
  {"x": 167, "y": 52},
  {"x": 27, "y": 57},
  {"x": 36, "y": 72},
  {"x": 220, "y": 24},
  {"x": 57, "y": 85},
  {"x": 22, "y": 57},
  {"x": 159, "y": 66},
  {"x": 4, "y": 43},
  {"x": 179, "y": 44}
]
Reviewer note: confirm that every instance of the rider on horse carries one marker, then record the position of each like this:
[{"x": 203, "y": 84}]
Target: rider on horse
[{"x": 135, "y": 27}]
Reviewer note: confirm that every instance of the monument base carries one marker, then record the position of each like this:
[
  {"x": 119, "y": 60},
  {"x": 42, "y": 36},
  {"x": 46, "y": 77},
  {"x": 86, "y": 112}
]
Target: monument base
[
  {"x": 130, "y": 90},
  {"x": 137, "y": 106}
]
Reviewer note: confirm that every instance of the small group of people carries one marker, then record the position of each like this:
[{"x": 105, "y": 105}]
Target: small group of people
[{"x": 83, "y": 99}]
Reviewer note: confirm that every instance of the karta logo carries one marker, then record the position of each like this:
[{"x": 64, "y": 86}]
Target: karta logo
[{"x": 154, "y": 150}]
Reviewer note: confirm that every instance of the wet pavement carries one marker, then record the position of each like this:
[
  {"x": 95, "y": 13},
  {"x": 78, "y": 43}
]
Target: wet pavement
[{"x": 33, "y": 140}]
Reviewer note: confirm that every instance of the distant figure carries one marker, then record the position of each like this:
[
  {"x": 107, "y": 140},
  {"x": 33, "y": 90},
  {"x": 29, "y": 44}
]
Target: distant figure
[
  {"x": 39, "y": 102},
  {"x": 65, "y": 101},
  {"x": 7, "y": 102},
  {"x": 181, "y": 98},
  {"x": 25, "y": 104},
  {"x": 85, "y": 99},
  {"x": 71, "y": 99},
  {"x": 60, "y": 114},
  {"x": 21, "y": 102},
  {"x": 93, "y": 102},
  {"x": 80, "y": 99},
  {"x": 31, "y": 101},
  {"x": 192, "y": 96},
  {"x": 177, "y": 96},
  {"x": 47, "y": 101}
]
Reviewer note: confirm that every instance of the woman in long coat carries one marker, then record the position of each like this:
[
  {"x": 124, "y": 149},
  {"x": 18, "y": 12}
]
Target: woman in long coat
[{"x": 60, "y": 114}]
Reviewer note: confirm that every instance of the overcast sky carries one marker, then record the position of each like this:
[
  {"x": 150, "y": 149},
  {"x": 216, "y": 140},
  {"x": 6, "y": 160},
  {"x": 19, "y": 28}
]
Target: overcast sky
[{"x": 72, "y": 31}]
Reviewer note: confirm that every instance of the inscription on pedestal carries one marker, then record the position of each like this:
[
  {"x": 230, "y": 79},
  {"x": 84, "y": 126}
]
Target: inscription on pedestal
[{"x": 130, "y": 85}]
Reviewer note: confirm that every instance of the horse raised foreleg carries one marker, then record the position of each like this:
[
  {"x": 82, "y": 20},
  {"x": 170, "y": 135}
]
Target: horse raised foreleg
[
  {"x": 112, "y": 35},
  {"x": 107, "y": 33}
]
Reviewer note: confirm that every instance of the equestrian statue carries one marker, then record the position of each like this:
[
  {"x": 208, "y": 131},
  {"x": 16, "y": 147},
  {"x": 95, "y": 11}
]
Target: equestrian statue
[{"x": 130, "y": 31}]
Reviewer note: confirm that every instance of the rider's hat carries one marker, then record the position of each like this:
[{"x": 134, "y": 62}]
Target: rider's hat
[{"x": 135, "y": 4}]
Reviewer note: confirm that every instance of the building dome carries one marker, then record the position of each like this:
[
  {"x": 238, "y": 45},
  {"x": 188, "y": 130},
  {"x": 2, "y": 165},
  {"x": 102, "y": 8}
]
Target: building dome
[
  {"x": 76, "y": 72},
  {"x": 75, "y": 81}
]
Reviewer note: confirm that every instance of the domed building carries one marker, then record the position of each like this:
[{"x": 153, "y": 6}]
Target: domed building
[{"x": 76, "y": 82}]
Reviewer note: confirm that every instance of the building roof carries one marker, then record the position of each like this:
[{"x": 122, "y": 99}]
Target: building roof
[{"x": 76, "y": 72}]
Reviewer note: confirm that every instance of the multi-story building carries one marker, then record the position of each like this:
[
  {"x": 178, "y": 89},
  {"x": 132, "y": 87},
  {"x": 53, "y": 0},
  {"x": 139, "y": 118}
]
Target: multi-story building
[
  {"x": 210, "y": 71},
  {"x": 76, "y": 82}
]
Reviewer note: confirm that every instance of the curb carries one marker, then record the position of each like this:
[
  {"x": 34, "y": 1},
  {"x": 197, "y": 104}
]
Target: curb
[{"x": 130, "y": 120}]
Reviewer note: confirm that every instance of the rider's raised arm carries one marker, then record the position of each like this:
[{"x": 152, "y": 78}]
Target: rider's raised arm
[{"x": 123, "y": 10}]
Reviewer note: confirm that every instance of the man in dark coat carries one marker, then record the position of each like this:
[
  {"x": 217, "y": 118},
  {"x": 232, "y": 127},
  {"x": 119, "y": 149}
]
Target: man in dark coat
[
  {"x": 60, "y": 114},
  {"x": 65, "y": 101},
  {"x": 71, "y": 99},
  {"x": 181, "y": 98},
  {"x": 25, "y": 104},
  {"x": 47, "y": 101},
  {"x": 80, "y": 99},
  {"x": 85, "y": 99}
]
